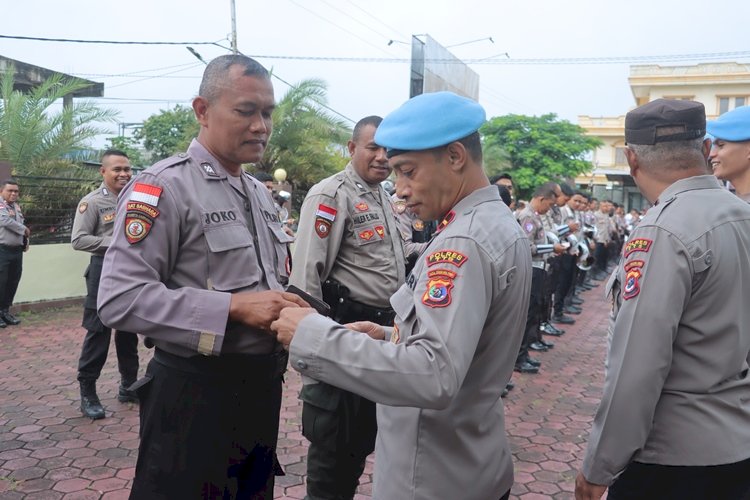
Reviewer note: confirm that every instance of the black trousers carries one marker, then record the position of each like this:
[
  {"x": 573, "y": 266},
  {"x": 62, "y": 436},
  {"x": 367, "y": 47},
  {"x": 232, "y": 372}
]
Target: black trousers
[
  {"x": 600, "y": 257},
  {"x": 209, "y": 427},
  {"x": 96, "y": 343},
  {"x": 534, "y": 314},
  {"x": 11, "y": 266},
  {"x": 554, "y": 265},
  {"x": 341, "y": 427},
  {"x": 564, "y": 281},
  {"x": 663, "y": 482}
]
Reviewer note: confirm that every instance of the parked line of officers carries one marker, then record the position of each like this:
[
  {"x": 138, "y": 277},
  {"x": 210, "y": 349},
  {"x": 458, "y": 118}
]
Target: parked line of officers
[{"x": 417, "y": 326}]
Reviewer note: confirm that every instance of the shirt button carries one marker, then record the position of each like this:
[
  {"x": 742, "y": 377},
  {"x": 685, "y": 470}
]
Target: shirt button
[{"x": 301, "y": 364}]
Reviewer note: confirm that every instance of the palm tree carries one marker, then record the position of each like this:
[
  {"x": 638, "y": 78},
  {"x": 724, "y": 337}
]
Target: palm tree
[
  {"x": 307, "y": 142},
  {"x": 37, "y": 139}
]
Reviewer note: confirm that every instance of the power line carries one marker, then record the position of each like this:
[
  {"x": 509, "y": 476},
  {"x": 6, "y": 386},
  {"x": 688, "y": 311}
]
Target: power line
[
  {"x": 110, "y": 42},
  {"x": 366, "y": 26},
  {"x": 373, "y": 17},
  {"x": 154, "y": 76},
  {"x": 132, "y": 73}
]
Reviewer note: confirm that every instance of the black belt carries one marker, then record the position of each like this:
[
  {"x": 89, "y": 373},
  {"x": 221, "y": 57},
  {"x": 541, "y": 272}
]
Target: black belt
[
  {"x": 266, "y": 367},
  {"x": 12, "y": 248},
  {"x": 363, "y": 312}
]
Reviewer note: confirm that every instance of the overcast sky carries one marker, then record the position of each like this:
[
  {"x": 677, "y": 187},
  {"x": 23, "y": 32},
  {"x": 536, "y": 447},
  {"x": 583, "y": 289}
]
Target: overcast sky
[{"x": 358, "y": 29}]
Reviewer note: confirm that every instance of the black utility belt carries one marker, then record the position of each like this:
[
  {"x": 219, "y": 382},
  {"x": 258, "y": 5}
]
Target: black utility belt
[
  {"x": 12, "y": 248},
  {"x": 247, "y": 366},
  {"x": 369, "y": 313}
]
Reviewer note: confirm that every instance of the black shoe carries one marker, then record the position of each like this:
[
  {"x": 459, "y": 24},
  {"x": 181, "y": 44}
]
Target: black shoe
[
  {"x": 548, "y": 329},
  {"x": 571, "y": 309},
  {"x": 547, "y": 344},
  {"x": 561, "y": 318},
  {"x": 504, "y": 393},
  {"x": 3, "y": 324},
  {"x": 526, "y": 367},
  {"x": 510, "y": 385},
  {"x": 126, "y": 396},
  {"x": 538, "y": 346},
  {"x": 91, "y": 407},
  {"x": 576, "y": 301},
  {"x": 9, "y": 319},
  {"x": 533, "y": 361}
]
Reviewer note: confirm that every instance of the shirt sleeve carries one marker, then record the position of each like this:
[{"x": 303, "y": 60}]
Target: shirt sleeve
[
  {"x": 655, "y": 279},
  {"x": 83, "y": 235},
  {"x": 9, "y": 222},
  {"x": 133, "y": 295},
  {"x": 445, "y": 314},
  {"x": 318, "y": 242}
]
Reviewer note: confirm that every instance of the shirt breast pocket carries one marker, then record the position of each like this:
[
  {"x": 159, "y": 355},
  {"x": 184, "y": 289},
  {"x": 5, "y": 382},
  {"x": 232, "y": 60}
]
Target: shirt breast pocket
[
  {"x": 406, "y": 317},
  {"x": 281, "y": 242},
  {"x": 232, "y": 261}
]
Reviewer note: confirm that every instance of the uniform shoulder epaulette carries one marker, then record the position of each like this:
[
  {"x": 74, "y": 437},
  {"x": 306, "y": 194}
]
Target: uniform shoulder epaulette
[
  {"x": 330, "y": 186},
  {"x": 167, "y": 163}
]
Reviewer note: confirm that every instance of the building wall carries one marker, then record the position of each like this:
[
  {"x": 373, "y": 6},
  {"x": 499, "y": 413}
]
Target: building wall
[{"x": 52, "y": 272}]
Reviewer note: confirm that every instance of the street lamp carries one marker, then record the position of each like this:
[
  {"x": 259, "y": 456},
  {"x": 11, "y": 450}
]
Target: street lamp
[{"x": 279, "y": 174}]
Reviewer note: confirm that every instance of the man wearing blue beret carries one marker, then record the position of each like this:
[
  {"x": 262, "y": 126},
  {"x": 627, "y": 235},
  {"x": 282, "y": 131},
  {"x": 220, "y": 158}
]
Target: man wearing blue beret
[
  {"x": 730, "y": 153},
  {"x": 438, "y": 373}
]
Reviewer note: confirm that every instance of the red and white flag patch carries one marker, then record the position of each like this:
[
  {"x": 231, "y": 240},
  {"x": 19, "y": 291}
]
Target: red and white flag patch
[
  {"x": 146, "y": 193},
  {"x": 326, "y": 212}
]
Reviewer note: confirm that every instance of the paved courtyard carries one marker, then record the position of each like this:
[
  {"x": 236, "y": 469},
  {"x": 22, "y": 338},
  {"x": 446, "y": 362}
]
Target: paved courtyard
[{"x": 49, "y": 451}]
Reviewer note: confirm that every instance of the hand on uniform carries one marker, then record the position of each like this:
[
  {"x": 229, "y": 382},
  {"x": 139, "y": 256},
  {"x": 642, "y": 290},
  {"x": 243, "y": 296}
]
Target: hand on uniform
[
  {"x": 573, "y": 226},
  {"x": 586, "y": 490},
  {"x": 260, "y": 309},
  {"x": 27, "y": 232},
  {"x": 374, "y": 330},
  {"x": 559, "y": 248},
  {"x": 286, "y": 325}
]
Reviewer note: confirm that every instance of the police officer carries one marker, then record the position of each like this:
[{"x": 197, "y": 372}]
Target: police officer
[
  {"x": 14, "y": 240},
  {"x": 197, "y": 264},
  {"x": 730, "y": 153},
  {"x": 438, "y": 373},
  {"x": 541, "y": 248},
  {"x": 92, "y": 232},
  {"x": 349, "y": 253},
  {"x": 673, "y": 421}
]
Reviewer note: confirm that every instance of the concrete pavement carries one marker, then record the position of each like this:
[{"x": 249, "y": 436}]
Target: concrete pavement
[{"x": 49, "y": 451}]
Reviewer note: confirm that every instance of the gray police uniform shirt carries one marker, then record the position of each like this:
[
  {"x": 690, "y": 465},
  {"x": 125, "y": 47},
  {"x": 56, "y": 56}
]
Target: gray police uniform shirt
[
  {"x": 347, "y": 232},
  {"x": 186, "y": 237},
  {"x": 12, "y": 228},
  {"x": 677, "y": 384},
  {"x": 94, "y": 221},
  {"x": 459, "y": 324},
  {"x": 407, "y": 223},
  {"x": 533, "y": 227},
  {"x": 603, "y": 227}
]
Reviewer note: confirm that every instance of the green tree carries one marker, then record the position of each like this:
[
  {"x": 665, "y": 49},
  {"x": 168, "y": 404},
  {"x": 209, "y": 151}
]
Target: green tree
[
  {"x": 131, "y": 147},
  {"x": 540, "y": 149},
  {"x": 168, "y": 132},
  {"x": 307, "y": 142},
  {"x": 39, "y": 140}
]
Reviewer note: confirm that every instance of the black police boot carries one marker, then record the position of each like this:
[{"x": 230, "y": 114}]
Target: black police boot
[
  {"x": 8, "y": 318},
  {"x": 124, "y": 395},
  {"x": 3, "y": 324},
  {"x": 90, "y": 405}
]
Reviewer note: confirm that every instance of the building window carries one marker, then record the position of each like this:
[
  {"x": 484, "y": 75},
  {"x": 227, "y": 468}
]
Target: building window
[
  {"x": 731, "y": 102},
  {"x": 620, "y": 158}
]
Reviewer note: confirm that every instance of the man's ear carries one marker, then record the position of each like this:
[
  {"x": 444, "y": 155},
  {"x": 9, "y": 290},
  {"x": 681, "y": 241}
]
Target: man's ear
[
  {"x": 632, "y": 162},
  {"x": 350, "y": 145},
  {"x": 200, "y": 107},
  {"x": 706, "y": 148},
  {"x": 457, "y": 155}
]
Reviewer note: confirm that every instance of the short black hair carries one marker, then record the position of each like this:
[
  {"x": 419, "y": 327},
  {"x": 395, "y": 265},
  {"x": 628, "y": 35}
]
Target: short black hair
[
  {"x": 546, "y": 190},
  {"x": 12, "y": 182},
  {"x": 263, "y": 176},
  {"x": 215, "y": 74},
  {"x": 373, "y": 120},
  {"x": 504, "y": 194},
  {"x": 566, "y": 189},
  {"x": 113, "y": 152}
]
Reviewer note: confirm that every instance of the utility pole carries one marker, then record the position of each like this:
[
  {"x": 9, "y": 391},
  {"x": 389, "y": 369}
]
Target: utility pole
[{"x": 234, "y": 28}]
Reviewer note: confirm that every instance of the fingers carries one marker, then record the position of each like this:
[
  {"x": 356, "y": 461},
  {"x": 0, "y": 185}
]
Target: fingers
[{"x": 295, "y": 299}]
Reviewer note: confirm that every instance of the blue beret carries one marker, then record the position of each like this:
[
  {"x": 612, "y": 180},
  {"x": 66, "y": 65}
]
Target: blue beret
[
  {"x": 733, "y": 126},
  {"x": 429, "y": 121}
]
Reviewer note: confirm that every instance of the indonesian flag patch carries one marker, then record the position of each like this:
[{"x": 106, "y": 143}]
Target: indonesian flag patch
[{"x": 146, "y": 193}]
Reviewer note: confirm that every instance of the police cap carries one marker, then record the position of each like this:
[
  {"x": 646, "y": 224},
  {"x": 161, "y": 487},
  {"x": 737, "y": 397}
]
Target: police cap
[
  {"x": 733, "y": 126},
  {"x": 428, "y": 121},
  {"x": 665, "y": 120}
]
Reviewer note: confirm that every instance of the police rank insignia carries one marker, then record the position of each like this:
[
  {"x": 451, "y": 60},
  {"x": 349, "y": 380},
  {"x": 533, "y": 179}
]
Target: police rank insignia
[
  {"x": 418, "y": 225},
  {"x": 82, "y": 207},
  {"x": 400, "y": 206},
  {"x": 324, "y": 218},
  {"x": 380, "y": 230},
  {"x": 108, "y": 217},
  {"x": 361, "y": 207},
  {"x": 637, "y": 245},
  {"x": 439, "y": 285},
  {"x": 209, "y": 169},
  {"x": 366, "y": 235},
  {"x": 446, "y": 257},
  {"x": 632, "y": 275},
  {"x": 139, "y": 219}
]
